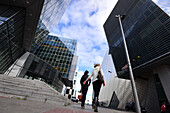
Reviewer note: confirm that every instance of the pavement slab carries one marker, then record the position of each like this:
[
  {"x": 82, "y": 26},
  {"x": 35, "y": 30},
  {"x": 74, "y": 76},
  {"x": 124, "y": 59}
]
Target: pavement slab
[{"x": 13, "y": 105}]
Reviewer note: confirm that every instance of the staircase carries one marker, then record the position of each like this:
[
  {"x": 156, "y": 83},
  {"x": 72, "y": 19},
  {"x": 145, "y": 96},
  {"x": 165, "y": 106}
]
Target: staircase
[{"x": 32, "y": 90}]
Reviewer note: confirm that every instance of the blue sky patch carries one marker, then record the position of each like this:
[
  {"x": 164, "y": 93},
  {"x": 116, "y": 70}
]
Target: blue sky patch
[{"x": 93, "y": 12}]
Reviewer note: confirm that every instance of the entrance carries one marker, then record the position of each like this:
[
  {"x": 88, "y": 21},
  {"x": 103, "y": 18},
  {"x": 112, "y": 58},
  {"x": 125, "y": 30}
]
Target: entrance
[{"x": 160, "y": 91}]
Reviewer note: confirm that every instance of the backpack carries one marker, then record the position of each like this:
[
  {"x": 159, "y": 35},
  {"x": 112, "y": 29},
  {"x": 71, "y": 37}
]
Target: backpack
[{"x": 100, "y": 77}]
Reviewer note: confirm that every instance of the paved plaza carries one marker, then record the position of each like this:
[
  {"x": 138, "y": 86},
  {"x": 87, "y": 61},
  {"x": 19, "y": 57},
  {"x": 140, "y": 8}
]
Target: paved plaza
[{"x": 13, "y": 105}]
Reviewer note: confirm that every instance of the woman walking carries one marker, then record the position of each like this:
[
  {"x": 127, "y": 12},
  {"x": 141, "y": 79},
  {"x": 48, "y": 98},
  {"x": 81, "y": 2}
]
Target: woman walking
[{"x": 97, "y": 82}]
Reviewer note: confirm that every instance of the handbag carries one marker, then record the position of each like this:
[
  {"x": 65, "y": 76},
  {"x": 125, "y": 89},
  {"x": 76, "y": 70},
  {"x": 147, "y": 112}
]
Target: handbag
[
  {"x": 100, "y": 77},
  {"x": 80, "y": 97}
]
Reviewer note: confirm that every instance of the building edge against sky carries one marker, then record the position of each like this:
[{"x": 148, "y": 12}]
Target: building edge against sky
[
  {"x": 147, "y": 33},
  {"x": 117, "y": 91},
  {"x": 51, "y": 14},
  {"x": 164, "y": 5},
  {"x": 23, "y": 14}
]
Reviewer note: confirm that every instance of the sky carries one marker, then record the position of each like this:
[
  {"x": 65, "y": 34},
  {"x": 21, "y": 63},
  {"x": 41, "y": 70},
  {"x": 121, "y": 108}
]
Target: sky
[{"x": 83, "y": 21}]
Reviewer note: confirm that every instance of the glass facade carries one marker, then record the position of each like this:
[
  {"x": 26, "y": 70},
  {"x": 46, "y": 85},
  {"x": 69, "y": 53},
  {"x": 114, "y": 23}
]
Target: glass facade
[
  {"x": 58, "y": 52},
  {"x": 50, "y": 16},
  {"x": 147, "y": 31},
  {"x": 11, "y": 32}
]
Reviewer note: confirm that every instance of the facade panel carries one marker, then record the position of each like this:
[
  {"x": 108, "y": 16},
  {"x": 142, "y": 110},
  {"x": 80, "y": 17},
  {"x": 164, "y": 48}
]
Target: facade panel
[{"x": 59, "y": 52}]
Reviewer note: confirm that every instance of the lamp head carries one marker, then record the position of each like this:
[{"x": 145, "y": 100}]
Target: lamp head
[
  {"x": 117, "y": 16},
  {"x": 121, "y": 16}
]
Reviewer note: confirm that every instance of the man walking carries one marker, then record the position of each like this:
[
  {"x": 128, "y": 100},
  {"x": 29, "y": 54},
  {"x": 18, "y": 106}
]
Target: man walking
[{"x": 84, "y": 87}]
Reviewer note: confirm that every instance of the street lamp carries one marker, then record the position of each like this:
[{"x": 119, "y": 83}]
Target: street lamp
[{"x": 129, "y": 65}]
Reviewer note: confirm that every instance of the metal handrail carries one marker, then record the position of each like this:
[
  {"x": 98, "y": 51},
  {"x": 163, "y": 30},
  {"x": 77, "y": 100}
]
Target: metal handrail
[
  {"x": 10, "y": 42},
  {"x": 11, "y": 17}
]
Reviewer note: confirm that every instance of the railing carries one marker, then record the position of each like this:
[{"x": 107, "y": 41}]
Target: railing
[{"x": 11, "y": 33}]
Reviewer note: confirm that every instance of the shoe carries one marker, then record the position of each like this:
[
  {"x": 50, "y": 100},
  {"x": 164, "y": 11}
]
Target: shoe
[
  {"x": 95, "y": 109},
  {"x": 82, "y": 107},
  {"x": 92, "y": 106}
]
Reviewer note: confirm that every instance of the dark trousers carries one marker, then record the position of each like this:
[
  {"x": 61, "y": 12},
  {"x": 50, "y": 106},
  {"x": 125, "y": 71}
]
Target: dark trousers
[
  {"x": 84, "y": 92},
  {"x": 96, "y": 89}
]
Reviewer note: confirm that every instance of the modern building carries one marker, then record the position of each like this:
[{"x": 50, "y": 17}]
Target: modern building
[
  {"x": 50, "y": 16},
  {"x": 24, "y": 27},
  {"x": 74, "y": 82},
  {"x": 70, "y": 92},
  {"x": 147, "y": 31},
  {"x": 61, "y": 54},
  {"x": 117, "y": 91},
  {"x": 18, "y": 22}
]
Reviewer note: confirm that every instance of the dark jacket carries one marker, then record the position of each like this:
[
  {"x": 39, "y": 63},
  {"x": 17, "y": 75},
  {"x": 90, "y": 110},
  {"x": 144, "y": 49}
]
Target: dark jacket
[{"x": 83, "y": 78}]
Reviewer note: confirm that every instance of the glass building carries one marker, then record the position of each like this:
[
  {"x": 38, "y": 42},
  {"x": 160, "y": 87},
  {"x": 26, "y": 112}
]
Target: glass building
[
  {"x": 147, "y": 32},
  {"x": 51, "y": 14},
  {"x": 18, "y": 26},
  {"x": 12, "y": 21},
  {"x": 24, "y": 26},
  {"x": 59, "y": 52}
]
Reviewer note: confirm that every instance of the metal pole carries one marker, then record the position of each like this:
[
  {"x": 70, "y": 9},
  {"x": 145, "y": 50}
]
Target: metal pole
[{"x": 130, "y": 69}]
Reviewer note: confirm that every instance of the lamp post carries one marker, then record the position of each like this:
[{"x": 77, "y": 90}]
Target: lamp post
[{"x": 129, "y": 65}]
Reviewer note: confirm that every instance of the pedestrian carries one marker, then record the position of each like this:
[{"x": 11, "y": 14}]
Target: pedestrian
[
  {"x": 97, "y": 82},
  {"x": 84, "y": 87},
  {"x": 163, "y": 108}
]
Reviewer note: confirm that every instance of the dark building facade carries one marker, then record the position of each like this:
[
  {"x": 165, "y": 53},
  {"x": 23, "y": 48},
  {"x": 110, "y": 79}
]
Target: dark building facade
[
  {"x": 24, "y": 26},
  {"x": 15, "y": 24},
  {"x": 147, "y": 33}
]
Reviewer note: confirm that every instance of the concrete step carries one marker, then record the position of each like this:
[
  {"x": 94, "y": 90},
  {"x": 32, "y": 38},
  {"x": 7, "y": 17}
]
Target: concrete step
[
  {"x": 38, "y": 99},
  {"x": 22, "y": 80},
  {"x": 12, "y": 96},
  {"x": 22, "y": 83},
  {"x": 18, "y": 79},
  {"x": 32, "y": 90},
  {"x": 26, "y": 87},
  {"x": 26, "y": 92},
  {"x": 43, "y": 97}
]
